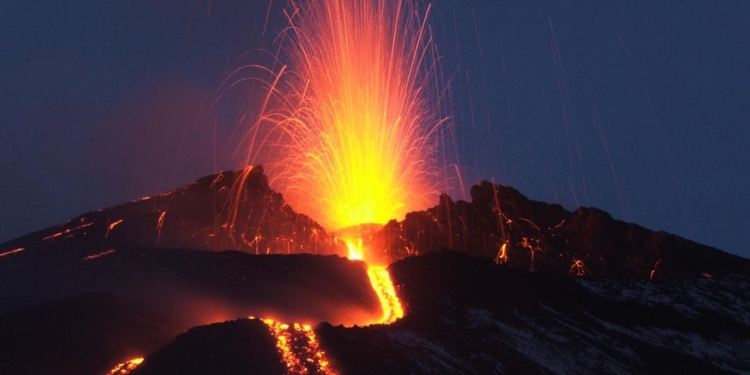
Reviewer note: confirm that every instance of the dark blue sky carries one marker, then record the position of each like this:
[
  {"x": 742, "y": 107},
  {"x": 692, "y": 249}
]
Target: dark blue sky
[{"x": 640, "y": 108}]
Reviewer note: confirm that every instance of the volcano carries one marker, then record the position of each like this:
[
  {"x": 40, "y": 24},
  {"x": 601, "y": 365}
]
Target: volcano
[{"x": 501, "y": 284}]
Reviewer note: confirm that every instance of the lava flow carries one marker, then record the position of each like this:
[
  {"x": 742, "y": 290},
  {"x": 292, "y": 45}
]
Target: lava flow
[
  {"x": 299, "y": 348},
  {"x": 298, "y": 345},
  {"x": 350, "y": 132},
  {"x": 381, "y": 282},
  {"x": 125, "y": 367}
]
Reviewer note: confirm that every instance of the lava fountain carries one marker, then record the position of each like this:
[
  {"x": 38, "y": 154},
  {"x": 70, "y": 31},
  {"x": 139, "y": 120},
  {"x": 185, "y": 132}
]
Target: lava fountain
[{"x": 351, "y": 130}]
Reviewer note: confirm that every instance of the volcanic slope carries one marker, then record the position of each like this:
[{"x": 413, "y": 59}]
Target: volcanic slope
[
  {"x": 146, "y": 250},
  {"x": 546, "y": 237},
  {"x": 477, "y": 310},
  {"x": 467, "y": 315},
  {"x": 232, "y": 210}
]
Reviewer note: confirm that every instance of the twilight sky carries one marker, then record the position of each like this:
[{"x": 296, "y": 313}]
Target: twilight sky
[{"x": 640, "y": 108}]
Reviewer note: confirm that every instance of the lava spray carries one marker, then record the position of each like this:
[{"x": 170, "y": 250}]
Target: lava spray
[{"x": 354, "y": 128}]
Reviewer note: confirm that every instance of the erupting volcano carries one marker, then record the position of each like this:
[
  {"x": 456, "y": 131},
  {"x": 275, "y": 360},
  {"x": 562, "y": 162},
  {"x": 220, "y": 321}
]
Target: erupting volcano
[{"x": 353, "y": 131}]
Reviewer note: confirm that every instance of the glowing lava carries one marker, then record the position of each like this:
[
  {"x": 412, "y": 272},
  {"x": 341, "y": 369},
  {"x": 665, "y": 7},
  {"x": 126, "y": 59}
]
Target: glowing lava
[
  {"x": 299, "y": 348},
  {"x": 103, "y": 253},
  {"x": 125, "y": 367},
  {"x": 352, "y": 130},
  {"x": 355, "y": 250},
  {"x": 68, "y": 232},
  {"x": 18, "y": 250},
  {"x": 381, "y": 282}
]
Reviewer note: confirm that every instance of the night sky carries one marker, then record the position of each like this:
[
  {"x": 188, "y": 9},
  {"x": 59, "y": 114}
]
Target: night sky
[{"x": 640, "y": 108}]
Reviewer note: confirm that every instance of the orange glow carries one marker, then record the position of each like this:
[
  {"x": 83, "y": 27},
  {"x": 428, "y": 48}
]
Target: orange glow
[
  {"x": 299, "y": 348},
  {"x": 112, "y": 226},
  {"x": 356, "y": 252},
  {"x": 67, "y": 231},
  {"x": 351, "y": 130},
  {"x": 502, "y": 255},
  {"x": 125, "y": 367},
  {"x": 380, "y": 279},
  {"x": 159, "y": 224},
  {"x": 381, "y": 282},
  {"x": 18, "y": 250},
  {"x": 110, "y": 251}
]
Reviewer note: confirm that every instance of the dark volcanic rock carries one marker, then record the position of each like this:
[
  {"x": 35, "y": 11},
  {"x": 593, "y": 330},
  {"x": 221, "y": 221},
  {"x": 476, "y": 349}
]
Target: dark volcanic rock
[
  {"x": 544, "y": 237},
  {"x": 234, "y": 210},
  {"x": 87, "y": 334},
  {"x": 469, "y": 316},
  {"x": 238, "y": 210},
  {"x": 199, "y": 287},
  {"x": 465, "y": 313},
  {"x": 238, "y": 347}
]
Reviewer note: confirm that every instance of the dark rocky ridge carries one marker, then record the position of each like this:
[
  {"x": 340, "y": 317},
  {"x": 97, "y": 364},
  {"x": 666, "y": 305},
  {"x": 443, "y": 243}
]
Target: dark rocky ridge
[
  {"x": 235, "y": 347},
  {"x": 558, "y": 238},
  {"x": 197, "y": 287},
  {"x": 200, "y": 216},
  {"x": 197, "y": 216}
]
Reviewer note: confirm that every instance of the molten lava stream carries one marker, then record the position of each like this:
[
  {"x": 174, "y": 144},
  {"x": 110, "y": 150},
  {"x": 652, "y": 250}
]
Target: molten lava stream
[
  {"x": 380, "y": 279},
  {"x": 383, "y": 286},
  {"x": 125, "y": 367},
  {"x": 299, "y": 348}
]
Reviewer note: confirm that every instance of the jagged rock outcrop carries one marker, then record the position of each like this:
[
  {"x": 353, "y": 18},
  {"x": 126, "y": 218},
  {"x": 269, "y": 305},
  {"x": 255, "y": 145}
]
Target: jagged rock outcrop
[
  {"x": 234, "y": 210},
  {"x": 545, "y": 237}
]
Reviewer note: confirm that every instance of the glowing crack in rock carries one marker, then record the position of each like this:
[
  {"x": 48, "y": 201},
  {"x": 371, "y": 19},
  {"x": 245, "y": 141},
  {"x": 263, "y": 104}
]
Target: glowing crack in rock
[
  {"x": 103, "y": 253},
  {"x": 299, "y": 348},
  {"x": 381, "y": 282},
  {"x": 112, "y": 226},
  {"x": 125, "y": 367},
  {"x": 67, "y": 233},
  {"x": 18, "y": 250},
  {"x": 159, "y": 225},
  {"x": 502, "y": 255}
]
